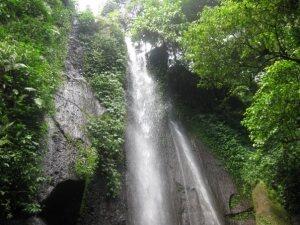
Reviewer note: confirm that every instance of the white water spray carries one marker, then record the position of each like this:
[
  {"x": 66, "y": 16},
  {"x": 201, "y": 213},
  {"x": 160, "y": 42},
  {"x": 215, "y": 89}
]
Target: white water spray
[{"x": 147, "y": 189}]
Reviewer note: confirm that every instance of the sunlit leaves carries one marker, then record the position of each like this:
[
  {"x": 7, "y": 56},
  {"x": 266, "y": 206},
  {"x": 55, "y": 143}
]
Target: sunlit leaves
[
  {"x": 273, "y": 116},
  {"x": 159, "y": 21},
  {"x": 87, "y": 161},
  {"x": 273, "y": 122},
  {"x": 231, "y": 43}
]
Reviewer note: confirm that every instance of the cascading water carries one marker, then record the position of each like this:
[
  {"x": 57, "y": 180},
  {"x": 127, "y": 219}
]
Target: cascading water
[
  {"x": 191, "y": 170},
  {"x": 148, "y": 201},
  {"x": 149, "y": 198}
]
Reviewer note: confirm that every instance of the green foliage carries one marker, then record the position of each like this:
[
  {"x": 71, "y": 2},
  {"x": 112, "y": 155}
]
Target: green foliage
[
  {"x": 106, "y": 133},
  {"x": 163, "y": 21},
  {"x": 235, "y": 200},
  {"x": 33, "y": 37},
  {"x": 105, "y": 51},
  {"x": 110, "y": 91},
  {"x": 86, "y": 161},
  {"x": 18, "y": 9},
  {"x": 252, "y": 35},
  {"x": 273, "y": 122},
  {"x": 159, "y": 21},
  {"x": 87, "y": 23},
  {"x": 274, "y": 114},
  {"x": 191, "y": 8},
  {"x": 105, "y": 68}
]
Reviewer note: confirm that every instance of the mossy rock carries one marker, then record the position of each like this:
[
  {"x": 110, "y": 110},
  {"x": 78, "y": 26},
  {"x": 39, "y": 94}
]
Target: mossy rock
[{"x": 267, "y": 210}]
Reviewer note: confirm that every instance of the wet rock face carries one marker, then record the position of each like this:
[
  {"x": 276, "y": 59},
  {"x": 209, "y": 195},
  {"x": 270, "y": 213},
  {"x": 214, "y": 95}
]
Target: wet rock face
[
  {"x": 221, "y": 184},
  {"x": 219, "y": 180},
  {"x": 74, "y": 103},
  {"x": 12, "y": 222},
  {"x": 99, "y": 210},
  {"x": 31, "y": 221}
]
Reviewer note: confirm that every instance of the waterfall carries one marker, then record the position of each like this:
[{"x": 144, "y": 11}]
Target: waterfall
[
  {"x": 146, "y": 183},
  {"x": 148, "y": 194},
  {"x": 190, "y": 167}
]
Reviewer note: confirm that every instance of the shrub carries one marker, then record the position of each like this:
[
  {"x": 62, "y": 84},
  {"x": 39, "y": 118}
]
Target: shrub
[
  {"x": 86, "y": 162},
  {"x": 105, "y": 68},
  {"x": 33, "y": 37}
]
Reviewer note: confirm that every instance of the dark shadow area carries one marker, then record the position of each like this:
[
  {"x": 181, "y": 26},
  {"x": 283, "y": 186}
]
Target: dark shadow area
[
  {"x": 12, "y": 222},
  {"x": 63, "y": 205}
]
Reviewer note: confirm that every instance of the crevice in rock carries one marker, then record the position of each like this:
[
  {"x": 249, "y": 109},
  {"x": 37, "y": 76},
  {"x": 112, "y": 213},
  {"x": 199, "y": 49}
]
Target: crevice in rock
[
  {"x": 72, "y": 102},
  {"x": 62, "y": 207},
  {"x": 58, "y": 126},
  {"x": 250, "y": 209}
]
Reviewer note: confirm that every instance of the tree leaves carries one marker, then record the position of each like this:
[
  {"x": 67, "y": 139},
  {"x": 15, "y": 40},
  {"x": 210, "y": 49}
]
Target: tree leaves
[
  {"x": 38, "y": 102},
  {"x": 159, "y": 21},
  {"x": 249, "y": 38}
]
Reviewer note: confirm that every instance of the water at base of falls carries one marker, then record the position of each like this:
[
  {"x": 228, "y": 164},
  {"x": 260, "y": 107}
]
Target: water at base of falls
[{"x": 149, "y": 197}]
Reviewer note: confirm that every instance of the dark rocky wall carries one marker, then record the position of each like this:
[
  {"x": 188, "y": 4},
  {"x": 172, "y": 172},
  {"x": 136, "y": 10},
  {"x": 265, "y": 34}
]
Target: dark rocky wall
[
  {"x": 100, "y": 210},
  {"x": 220, "y": 182},
  {"x": 75, "y": 101}
]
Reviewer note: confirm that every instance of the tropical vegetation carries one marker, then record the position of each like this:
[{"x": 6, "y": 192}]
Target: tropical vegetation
[
  {"x": 33, "y": 37},
  {"x": 244, "y": 57},
  {"x": 232, "y": 68}
]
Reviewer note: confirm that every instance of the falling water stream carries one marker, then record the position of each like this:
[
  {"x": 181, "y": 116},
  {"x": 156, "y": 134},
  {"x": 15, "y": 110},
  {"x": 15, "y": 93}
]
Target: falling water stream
[
  {"x": 148, "y": 205},
  {"x": 190, "y": 166},
  {"x": 149, "y": 198}
]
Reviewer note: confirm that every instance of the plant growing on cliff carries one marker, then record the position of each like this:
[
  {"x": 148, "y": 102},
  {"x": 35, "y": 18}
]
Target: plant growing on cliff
[
  {"x": 87, "y": 160},
  {"x": 33, "y": 37},
  {"x": 105, "y": 68},
  {"x": 106, "y": 133}
]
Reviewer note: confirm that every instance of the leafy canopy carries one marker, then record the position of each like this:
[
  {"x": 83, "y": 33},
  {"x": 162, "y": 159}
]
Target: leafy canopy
[
  {"x": 232, "y": 43},
  {"x": 158, "y": 21}
]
